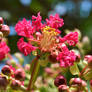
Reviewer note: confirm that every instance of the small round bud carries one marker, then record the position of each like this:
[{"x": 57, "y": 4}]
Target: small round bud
[
  {"x": 52, "y": 58},
  {"x": 84, "y": 84},
  {"x": 74, "y": 81},
  {"x": 19, "y": 74},
  {"x": 87, "y": 57},
  {"x": 90, "y": 82},
  {"x": 15, "y": 84},
  {"x": 5, "y": 30},
  {"x": 3, "y": 82},
  {"x": 1, "y": 35},
  {"x": 90, "y": 61},
  {"x": 78, "y": 58},
  {"x": 1, "y": 20},
  {"x": 49, "y": 71},
  {"x": 6, "y": 70},
  {"x": 63, "y": 88},
  {"x": 60, "y": 80}
]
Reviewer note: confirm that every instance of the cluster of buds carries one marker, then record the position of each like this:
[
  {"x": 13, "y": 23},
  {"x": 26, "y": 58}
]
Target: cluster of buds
[
  {"x": 15, "y": 77},
  {"x": 44, "y": 40},
  {"x": 60, "y": 82},
  {"x": 87, "y": 70},
  {"x": 4, "y": 31},
  {"x": 78, "y": 85}
]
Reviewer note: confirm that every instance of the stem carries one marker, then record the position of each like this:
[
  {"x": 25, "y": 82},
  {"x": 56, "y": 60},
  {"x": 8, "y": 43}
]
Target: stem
[
  {"x": 83, "y": 70},
  {"x": 35, "y": 68}
]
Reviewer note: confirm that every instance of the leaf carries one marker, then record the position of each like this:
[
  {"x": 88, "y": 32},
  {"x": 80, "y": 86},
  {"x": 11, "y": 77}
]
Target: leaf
[{"x": 74, "y": 69}]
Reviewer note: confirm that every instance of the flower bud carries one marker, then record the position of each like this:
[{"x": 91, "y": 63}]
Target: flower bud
[
  {"x": 3, "y": 82},
  {"x": 15, "y": 84},
  {"x": 90, "y": 82},
  {"x": 52, "y": 58},
  {"x": 91, "y": 85},
  {"x": 49, "y": 71},
  {"x": 90, "y": 62},
  {"x": 87, "y": 57},
  {"x": 5, "y": 30},
  {"x": 19, "y": 74},
  {"x": 77, "y": 58},
  {"x": 75, "y": 81},
  {"x": 84, "y": 84},
  {"x": 1, "y": 35},
  {"x": 6, "y": 70},
  {"x": 60, "y": 80},
  {"x": 63, "y": 88},
  {"x": 1, "y": 20}
]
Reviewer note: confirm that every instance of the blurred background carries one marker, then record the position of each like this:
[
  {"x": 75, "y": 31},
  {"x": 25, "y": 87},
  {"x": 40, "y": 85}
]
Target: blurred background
[{"x": 76, "y": 14}]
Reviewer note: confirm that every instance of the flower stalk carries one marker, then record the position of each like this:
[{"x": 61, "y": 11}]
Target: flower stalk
[{"x": 34, "y": 71}]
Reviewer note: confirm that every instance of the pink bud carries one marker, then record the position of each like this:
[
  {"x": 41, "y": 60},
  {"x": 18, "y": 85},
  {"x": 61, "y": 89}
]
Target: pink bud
[
  {"x": 3, "y": 82},
  {"x": 60, "y": 80},
  {"x": 62, "y": 88},
  {"x": 19, "y": 74},
  {"x": 5, "y": 30},
  {"x": 6, "y": 70},
  {"x": 1, "y": 20}
]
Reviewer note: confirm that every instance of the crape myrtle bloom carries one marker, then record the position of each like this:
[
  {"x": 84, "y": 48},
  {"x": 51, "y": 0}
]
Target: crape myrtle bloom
[
  {"x": 46, "y": 38},
  {"x": 66, "y": 57},
  {"x": 24, "y": 28},
  {"x": 55, "y": 21},
  {"x": 4, "y": 49},
  {"x": 36, "y": 22},
  {"x": 72, "y": 38},
  {"x": 25, "y": 47}
]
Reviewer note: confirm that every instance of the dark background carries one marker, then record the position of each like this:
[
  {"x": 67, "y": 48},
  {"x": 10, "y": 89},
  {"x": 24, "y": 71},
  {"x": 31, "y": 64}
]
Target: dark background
[{"x": 76, "y": 14}]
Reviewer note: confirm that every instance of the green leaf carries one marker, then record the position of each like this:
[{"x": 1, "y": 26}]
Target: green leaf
[{"x": 74, "y": 69}]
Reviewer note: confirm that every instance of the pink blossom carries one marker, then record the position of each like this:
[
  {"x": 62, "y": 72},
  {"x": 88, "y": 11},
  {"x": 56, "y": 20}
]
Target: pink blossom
[
  {"x": 25, "y": 47},
  {"x": 4, "y": 49},
  {"x": 24, "y": 28},
  {"x": 55, "y": 21},
  {"x": 66, "y": 57},
  {"x": 36, "y": 22},
  {"x": 72, "y": 38}
]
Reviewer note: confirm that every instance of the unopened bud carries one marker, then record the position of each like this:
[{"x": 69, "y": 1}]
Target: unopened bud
[
  {"x": 19, "y": 74},
  {"x": 75, "y": 81},
  {"x": 60, "y": 80},
  {"x": 1, "y": 20},
  {"x": 90, "y": 82},
  {"x": 15, "y": 84},
  {"x": 5, "y": 30},
  {"x": 6, "y": 70},
  {"x": 3, "y": 82},
  {"x": 78, "y": 58},
  {"x": 52, "y": 58},
  {"x": 1, "y": 35},
  {"x": 87, "y": 57},
  {"x": 49, "y": 71},
  {"x": 63, "y": 88}
]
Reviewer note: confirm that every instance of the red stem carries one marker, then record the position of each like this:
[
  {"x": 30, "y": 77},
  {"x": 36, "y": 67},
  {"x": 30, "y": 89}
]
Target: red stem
[{"x": 83, "y": 70}]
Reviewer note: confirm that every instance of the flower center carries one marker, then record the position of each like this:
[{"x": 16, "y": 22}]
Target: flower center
[{"x": 48, "y": 40}]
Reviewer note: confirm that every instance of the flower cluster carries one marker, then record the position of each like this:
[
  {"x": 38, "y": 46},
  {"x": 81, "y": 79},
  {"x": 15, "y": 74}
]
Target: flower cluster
[
  {"x": 4, "y": 31},
  {"x": 14, "y": 76},
  {"x": 46, "y": 38}
]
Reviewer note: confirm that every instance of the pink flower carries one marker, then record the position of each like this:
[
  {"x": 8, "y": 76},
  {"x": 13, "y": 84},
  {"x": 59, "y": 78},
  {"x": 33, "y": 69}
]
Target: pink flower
[
  {"x": 24, "y": 28},
  {"x": 66, "y": 57},
  {"x": 36, "y": 22},
  {"x": 25, "y": 47},
  {"x": 72, "y": 38},
  {"x": 4, "y": 49},
  {"x": 55, "y": 21}
]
